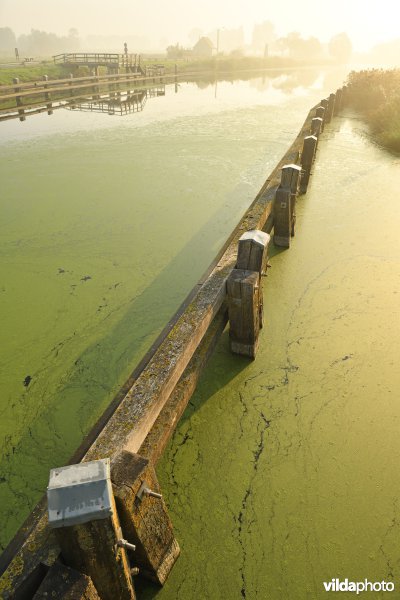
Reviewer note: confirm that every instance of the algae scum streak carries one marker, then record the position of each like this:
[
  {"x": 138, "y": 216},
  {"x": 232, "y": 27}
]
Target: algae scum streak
[{"x": 280, "y": 472}]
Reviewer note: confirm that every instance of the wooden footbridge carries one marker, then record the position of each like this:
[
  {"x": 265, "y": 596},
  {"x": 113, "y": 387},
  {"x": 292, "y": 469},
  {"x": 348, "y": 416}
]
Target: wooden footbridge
[
  {"x": 104, "y": 519},
  {"x": 93, "y": 60}
]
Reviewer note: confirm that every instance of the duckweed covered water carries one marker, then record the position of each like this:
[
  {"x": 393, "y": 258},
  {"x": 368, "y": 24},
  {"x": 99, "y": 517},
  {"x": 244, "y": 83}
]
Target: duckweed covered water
[
  {"x": 283, "y": 471},
  {"x": 106, "y": 224}
]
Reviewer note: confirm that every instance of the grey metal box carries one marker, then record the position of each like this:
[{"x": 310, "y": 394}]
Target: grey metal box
[{"x": 79, "y": 493}]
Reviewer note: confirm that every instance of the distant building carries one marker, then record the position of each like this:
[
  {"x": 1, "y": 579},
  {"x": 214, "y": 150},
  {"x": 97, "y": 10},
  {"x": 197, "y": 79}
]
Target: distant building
[{"x": 204, "y": 47}]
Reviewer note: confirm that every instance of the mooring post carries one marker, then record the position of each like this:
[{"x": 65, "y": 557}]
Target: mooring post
[
  {"x": 253, "y": 251},
  {"x": 320, "y": 112},
  {"x": 47, "y": 96},
  {"x": 82, "y": 511},
  {"x": 143, "y": 515},
  {"x": 324, "y": 103},
  {"x": 244, "y": 301},
  {"x": 18, "y": 99},
  {"x": 331, "y": 108},
  {"x": 307, "y": 159},
  {"x": 285, "y": 205},
  {"x": 244, "y": 293},
  {"x": 316, "y": 126},
  {"x": 345, "y": 92},
  {"x": 338, "y": 102}
]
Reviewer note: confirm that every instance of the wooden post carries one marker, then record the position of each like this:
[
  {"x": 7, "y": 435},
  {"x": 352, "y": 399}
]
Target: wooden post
[
  {"x": 338, "y": 103},
  {"x": 307, "y": 159},
  {"x": 316, "y": 126},
  {"x": 320, "y": 112},
  {"x": 331, "y": 108},
  {"x": 82, "y": 511},
  {"x": 144, "y": 517},
  {"x": 244, "y": 308},
  {"x": 64, "y": 583},
  {"x": 18, "y": 99},
  {"x": 285, "y": 205},
  {"x": 341, "y": 97},
  {"x": 47, "y": 96},
  {"x": 253, "y": 251}
]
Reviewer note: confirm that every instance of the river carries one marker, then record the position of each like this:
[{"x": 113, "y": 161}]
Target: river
[
  {"x": 282, "y": 473},
  {"x": 107, "y": 222}
]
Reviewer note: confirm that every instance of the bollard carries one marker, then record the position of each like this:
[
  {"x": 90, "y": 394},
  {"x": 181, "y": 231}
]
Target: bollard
[
  {"x": 82, "y": 511},
  {"x": 285, "y": 205},
  {"x": 345, "y": 93},
  {"x": 252, "y": 251},
  {"x": 245, "y": 311},
  {"x": 316, "y": 126},
  {"x": 307, "y": 159},
  {"x": 331, "y": 108},
  {"x": 18, "y": 99},
  {"x": 320, "y": 112},
  {"x": 64, "y": 583},
  {"x": 144, "y": 517},
  {"x": 338, "y": 102}
]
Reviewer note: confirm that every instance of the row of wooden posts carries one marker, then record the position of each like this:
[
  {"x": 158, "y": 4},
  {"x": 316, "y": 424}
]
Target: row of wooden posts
[
  {"x": 109, "y": 514},
  {"x": 244, "y": 288}
]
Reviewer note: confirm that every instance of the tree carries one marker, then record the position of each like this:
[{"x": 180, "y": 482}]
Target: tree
[
  {"x": 340, "y": 48},
  {"x": 8, "y": 40},
  {"x": 300, "y": 48}
]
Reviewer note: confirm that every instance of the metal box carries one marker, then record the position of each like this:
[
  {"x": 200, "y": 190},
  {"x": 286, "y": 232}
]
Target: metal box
[{"x": 79, "y": 493}]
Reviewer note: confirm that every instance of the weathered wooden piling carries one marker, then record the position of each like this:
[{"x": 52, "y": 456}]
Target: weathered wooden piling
[
  {"x": 64, "y": 583},
  {"x": 18, "y": 99},
  {"x": 307, "y": 159},
  {"x": 331, "y": 107},
  {"x": 285, "y": 205},
  {"x": 338, "y": 102},
  {"x": 82, "y": 511},
  {"x": 244, "y": 293},
  {"x": 244, "y": 301},
  {"x": 143, "y": 516},
  {"x": 320, "y": 112},
  {"x": 316, "y": 126}
]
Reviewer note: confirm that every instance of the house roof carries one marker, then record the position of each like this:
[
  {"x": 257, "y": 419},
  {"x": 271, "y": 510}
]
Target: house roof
[{"x": 203, "y": 42}]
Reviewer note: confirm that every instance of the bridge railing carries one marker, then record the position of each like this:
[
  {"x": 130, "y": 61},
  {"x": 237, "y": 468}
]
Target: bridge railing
[{"x": 87, "y": 57}]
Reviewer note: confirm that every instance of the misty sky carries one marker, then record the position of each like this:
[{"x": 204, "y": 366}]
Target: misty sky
[{"x": 368, "y": 22}]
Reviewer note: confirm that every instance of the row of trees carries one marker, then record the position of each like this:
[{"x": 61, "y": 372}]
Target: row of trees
[
  {"x": 38, "y": 43},
  {"x": 340, "y": 47}
]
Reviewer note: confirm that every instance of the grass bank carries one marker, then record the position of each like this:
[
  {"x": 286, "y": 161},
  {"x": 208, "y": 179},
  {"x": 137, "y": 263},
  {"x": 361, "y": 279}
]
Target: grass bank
[{"x": 376, "y": 94}]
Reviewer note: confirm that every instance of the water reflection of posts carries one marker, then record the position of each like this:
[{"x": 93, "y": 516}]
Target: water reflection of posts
[
  {"x": 18, "y": 99},
  {"x": 285, "y": 205},
  {"x": 47, "y": 96},
  {"x": 244, "y": 292}
]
